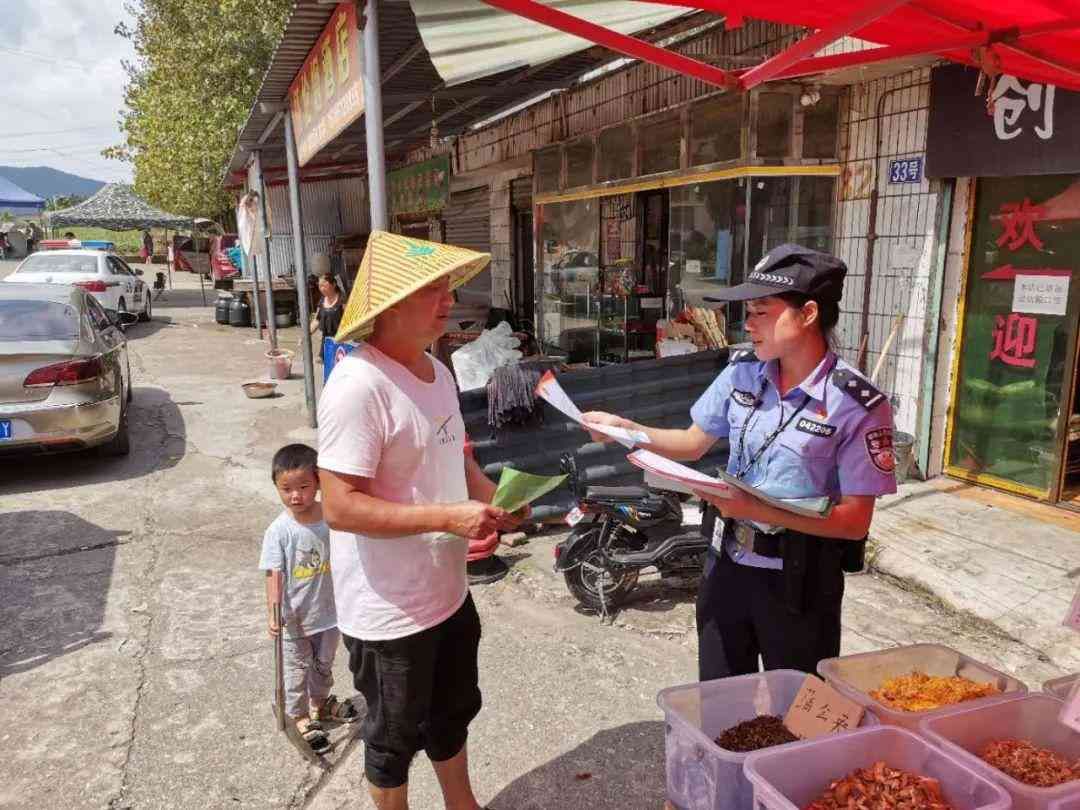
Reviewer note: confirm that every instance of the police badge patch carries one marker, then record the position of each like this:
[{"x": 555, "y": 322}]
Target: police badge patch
[
  {"x": 744, "y": 398},
  {"x": 879, "y": 446}
]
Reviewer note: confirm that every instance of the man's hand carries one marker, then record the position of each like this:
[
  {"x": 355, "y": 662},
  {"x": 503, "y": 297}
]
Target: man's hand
[
  {"x": 476, "y": 519},
  {"x": 609, "y": 419}
]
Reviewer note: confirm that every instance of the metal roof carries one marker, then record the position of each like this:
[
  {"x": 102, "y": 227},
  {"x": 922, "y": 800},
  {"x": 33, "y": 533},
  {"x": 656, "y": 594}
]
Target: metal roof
[{"x": 409, "y": 80}]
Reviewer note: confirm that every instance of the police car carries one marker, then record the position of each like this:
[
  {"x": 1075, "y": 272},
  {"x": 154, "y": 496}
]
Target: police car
[{"x": 115, "y": 285}]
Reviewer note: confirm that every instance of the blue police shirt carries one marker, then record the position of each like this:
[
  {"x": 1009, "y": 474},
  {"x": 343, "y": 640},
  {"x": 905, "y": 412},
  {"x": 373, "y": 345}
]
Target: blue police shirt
[{"x": 840, "y": 443}]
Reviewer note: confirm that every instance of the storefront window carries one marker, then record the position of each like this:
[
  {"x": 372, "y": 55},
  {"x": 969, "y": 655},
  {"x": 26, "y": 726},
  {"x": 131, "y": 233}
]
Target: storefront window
[
  {"x": 547, "y": 170},
  {"x": 570, "y": 237},
  {"x": 716, "y": 130},
  {"x": 708, "y": 237},
  {"x": 660, "y": 144},
  {"x": 774, "y": 118},
  {"x": 616, "y": 153},
  {"x": 821, "y": 127},
  {"x": 579, "y": 163},
  {"x": 1019, "y": 323}
]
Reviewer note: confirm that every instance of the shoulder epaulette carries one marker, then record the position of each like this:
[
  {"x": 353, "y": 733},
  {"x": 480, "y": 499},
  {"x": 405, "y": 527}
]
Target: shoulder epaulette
[
  {"x": 743, "y": 356},
  {"x": 857, "y": 388}
]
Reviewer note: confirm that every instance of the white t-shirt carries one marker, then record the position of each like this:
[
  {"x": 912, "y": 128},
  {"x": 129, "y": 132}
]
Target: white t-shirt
[{"x": 379, "y": 421}]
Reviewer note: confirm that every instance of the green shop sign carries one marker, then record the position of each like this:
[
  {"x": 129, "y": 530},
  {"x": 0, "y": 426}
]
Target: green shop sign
[{"x": 421, "y": 187}]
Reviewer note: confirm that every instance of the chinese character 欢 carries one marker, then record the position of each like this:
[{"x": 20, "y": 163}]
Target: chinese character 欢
[
  {"x": 1008, "y": 109},
  {"x": 1018, "y": 223},
  {"x": 1014, "y": 339}
]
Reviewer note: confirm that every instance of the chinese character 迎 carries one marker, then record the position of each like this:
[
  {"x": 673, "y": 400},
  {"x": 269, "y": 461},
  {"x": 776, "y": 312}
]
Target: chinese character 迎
[
  {"x": 1014, "y": 339},
  {"x": 1008, "y": 109},
  {"x": 1018, "y": 223}
]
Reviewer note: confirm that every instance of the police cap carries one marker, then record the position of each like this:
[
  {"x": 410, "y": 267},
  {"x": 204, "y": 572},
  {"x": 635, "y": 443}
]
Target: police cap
[{"x": 790, "y": 268}]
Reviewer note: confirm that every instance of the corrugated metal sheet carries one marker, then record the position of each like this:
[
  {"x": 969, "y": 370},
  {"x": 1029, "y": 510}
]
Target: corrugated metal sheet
[
  {"x": 637, "y": 90},
  {"x": 655, "y": 392},
  {"x": 330, "y": 208},
  {"x": 467, "y": 223},
  {"x": 469, "y": 40}
]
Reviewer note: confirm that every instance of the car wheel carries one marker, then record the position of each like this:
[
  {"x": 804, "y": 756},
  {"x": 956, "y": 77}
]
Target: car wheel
[
  {"x": 148, "y": 309},
  {"x": 120, "y": 444}
]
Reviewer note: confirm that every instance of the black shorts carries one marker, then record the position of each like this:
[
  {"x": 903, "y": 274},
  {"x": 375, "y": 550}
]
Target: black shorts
[{"x": 422, "y": 691}]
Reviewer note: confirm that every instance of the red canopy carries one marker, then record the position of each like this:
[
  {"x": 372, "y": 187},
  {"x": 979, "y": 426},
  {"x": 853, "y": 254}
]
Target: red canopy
[{"x": 1037, "y": 40}]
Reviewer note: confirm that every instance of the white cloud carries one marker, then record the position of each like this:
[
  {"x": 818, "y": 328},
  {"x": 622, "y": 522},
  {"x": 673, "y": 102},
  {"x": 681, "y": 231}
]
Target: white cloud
[{"x": 63, "y": 85}]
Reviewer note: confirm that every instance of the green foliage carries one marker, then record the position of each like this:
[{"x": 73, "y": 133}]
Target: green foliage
[
  {"x": 61, "y": 201},
  {"x": 128, "y": 243},
  {"x": 199, "y": 65}
]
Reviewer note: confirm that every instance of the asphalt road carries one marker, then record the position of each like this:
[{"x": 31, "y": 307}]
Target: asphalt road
[{"x": 135, "y": 671}]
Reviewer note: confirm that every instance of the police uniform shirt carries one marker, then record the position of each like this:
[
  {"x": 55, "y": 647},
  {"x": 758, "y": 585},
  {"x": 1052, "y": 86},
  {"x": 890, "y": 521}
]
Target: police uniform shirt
[{"x": 840, "y": 443}]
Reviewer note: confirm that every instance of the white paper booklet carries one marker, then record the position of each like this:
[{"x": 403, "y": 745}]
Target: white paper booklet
[{"x": 721, "y": 485}]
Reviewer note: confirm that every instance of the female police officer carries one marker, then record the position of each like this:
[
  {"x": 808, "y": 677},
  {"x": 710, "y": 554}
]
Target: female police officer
[{"x": 801, "y": 423}]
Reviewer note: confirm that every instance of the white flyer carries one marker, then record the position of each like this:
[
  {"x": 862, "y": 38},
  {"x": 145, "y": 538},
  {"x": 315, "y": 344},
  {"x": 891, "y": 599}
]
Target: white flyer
[
  {"x": 549, "y": 390},
  {"x": 1041, "y": 295}
]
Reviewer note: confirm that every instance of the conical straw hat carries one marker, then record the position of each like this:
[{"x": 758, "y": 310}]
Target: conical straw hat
[{"x": 393, "y": 268}]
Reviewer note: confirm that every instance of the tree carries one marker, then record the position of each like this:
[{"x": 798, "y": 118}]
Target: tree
[{"x": 198, "y": 66}]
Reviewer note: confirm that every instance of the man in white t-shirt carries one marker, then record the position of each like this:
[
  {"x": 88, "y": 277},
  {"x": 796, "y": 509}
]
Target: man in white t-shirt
[{"x": 400, "y": 495}]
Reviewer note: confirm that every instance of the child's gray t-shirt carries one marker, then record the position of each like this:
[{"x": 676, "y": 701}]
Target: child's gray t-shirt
[{"x": 302, "y": 552}]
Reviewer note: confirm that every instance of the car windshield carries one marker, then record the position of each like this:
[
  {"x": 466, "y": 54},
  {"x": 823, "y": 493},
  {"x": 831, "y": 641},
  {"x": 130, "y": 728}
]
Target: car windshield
[
  {"x": 59, "y": 263},
  {"x": 37, "y": 320}
]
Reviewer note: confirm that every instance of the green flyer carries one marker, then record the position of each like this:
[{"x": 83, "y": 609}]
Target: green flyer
[{"x": 516, "y": 488}]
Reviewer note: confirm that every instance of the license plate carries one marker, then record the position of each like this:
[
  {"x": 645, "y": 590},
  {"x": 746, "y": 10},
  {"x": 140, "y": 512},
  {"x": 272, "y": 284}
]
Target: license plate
[
  {"x": 575, "y": 516},
  {"x": 5, "y": 429}
]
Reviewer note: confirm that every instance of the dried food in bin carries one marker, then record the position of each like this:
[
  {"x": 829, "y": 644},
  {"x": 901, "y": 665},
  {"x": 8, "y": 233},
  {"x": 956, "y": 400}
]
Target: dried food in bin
[
  {"x": 753, "y": 735},
  {"x": 1027, "y": 763},
  {"x": 882, "y": 788},
  {"x": 919, "y": 692}
]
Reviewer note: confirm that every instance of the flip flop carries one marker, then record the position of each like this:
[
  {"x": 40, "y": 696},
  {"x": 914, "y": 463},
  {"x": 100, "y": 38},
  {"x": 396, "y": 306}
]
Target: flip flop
[{"x": 336, "y": 711}]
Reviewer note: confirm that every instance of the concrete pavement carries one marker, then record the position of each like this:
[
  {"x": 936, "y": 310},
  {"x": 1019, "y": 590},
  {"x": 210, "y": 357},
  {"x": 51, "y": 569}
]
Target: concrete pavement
[{"x": 135, "y": 671}]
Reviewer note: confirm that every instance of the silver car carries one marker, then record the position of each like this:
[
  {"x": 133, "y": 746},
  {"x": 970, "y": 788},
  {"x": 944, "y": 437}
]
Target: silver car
[{"x": 65, "y": 379}]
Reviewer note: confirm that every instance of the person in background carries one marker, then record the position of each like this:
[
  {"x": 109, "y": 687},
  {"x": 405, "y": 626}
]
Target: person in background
[
  {"x": 147, "y": 250},
  {"x": 802, "y": 424},
  {"x": 327, "y": 319}
]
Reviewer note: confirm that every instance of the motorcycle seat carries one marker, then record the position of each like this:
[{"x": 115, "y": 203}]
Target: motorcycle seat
[{"x": 631, "y": 493}]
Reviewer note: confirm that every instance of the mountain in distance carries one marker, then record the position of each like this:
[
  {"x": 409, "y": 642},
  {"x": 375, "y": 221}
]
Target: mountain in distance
[{"x": 46, "y": 182}]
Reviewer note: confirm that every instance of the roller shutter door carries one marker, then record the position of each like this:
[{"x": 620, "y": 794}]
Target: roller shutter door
[{"x": 467, "y": 223}]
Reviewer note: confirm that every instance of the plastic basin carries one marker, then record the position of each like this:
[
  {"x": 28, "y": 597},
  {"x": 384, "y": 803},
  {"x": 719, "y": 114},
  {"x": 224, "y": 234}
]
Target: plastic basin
[
  {"x": 857, "y": 675},
  {"x": 964, "y": 731},
  {"x": 1060, "y": 687},
  {"x": 700, "y": 774},
  {"x": 792, "y": 776}
]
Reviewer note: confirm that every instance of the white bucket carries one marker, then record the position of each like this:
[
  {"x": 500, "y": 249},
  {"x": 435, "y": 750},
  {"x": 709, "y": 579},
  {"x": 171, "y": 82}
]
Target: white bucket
[{"x": 280, "y": 361}]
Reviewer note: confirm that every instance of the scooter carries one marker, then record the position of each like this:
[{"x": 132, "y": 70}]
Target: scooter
[{"x": 621, "y": 531}]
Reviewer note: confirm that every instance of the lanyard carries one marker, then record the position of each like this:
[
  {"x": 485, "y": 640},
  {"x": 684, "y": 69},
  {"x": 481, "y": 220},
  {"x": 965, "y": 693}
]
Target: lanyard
[{"x": 780, "y": 427}]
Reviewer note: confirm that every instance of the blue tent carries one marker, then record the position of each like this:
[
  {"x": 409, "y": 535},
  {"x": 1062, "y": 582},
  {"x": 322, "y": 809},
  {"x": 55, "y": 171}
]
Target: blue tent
[{"x": 18, "y": 201}]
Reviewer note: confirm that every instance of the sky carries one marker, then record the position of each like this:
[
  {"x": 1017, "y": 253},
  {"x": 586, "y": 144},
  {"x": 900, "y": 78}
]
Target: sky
[{"x": 63, "y": 85}]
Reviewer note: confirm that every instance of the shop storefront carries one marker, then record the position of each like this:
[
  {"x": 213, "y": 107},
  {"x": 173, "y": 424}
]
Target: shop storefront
[
  {"x": 1015, "y": 415},
  {"x": 417, "y": 195},
  {"x": 639, "y": 218}
]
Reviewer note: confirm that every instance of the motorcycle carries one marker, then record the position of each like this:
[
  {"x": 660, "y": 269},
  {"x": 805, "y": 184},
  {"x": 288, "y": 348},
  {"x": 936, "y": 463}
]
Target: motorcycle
[{"x": 621, "y": 531}]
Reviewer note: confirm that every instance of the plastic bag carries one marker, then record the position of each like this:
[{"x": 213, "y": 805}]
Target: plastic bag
[{"x": 475, "y": 362}]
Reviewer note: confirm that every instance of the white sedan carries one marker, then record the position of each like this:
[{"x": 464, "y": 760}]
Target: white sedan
[{"x": 108, "y": 278}]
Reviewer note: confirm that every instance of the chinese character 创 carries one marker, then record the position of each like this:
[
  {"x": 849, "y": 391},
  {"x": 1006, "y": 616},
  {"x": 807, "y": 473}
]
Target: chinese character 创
[
  {"x": 1018, "y": 223},
  {"x": 1014, "y": 339},
  {"x": 1008, "y": 108}
]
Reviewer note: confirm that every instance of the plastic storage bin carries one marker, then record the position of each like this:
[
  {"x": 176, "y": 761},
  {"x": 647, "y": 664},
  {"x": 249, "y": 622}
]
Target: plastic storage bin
[
  {"x": 858, "y": 675},
  {"x": 791, "y": 777},
  {"x": 1060, "y": 687},
  {"x": 963, "y": 732},
  {"x": 700, "y": 774}
]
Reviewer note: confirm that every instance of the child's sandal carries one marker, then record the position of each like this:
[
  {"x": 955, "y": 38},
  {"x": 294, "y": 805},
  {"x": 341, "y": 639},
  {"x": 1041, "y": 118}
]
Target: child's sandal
[
  {"x": 314, "y": 736},
  {"x": 336, "y": 711}
]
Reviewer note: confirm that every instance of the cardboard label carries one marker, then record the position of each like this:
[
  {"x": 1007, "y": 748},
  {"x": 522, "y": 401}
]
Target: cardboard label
[
  {"x": 1070, "y": 712},
  {"x": 819, "y": 710}
]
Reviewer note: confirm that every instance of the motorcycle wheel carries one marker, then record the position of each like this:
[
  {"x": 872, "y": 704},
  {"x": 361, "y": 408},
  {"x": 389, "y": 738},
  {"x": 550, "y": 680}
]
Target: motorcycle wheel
[{"x": 585, "y": 580}]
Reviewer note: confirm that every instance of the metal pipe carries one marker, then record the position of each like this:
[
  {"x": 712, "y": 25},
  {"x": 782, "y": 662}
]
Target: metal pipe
[
  {"x": 373, "y": 118},
  {"x": 300, "y": 261},
  {"x": 260, "y": 181}
]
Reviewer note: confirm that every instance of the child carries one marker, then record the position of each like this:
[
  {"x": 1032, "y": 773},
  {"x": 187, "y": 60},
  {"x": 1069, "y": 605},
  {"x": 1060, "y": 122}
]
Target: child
[{"x": 296, "y": 548}]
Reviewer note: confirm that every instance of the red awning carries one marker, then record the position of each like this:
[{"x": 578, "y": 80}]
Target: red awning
[{"x": 1037, "y": 40}]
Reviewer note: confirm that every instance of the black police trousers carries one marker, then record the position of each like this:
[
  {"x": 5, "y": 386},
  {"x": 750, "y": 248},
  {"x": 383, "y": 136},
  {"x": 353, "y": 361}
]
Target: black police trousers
[{"x": 742, "y": 613}]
